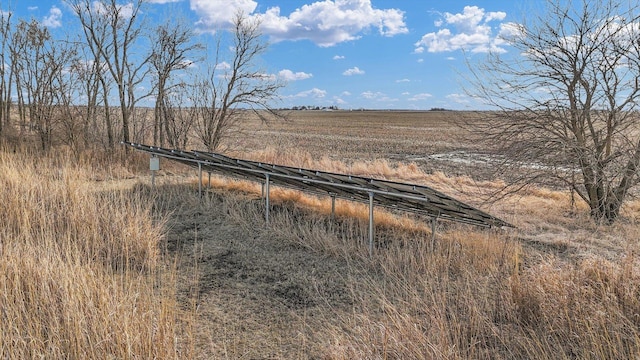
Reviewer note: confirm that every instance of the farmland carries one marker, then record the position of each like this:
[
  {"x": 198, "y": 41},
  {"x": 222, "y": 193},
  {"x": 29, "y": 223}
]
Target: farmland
[
  {"x": 208, "y": 279},
  {"x": 406, "y": 136}
]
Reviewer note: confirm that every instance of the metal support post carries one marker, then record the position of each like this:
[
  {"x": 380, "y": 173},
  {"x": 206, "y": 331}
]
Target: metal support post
[
  {"x": 434, "y": 220},
  {"x": 371, "y": 228},
  {"x": 333, "y": 208},
  {"x": 200, "y": 179},
  {"x": 266, "y": 188}
]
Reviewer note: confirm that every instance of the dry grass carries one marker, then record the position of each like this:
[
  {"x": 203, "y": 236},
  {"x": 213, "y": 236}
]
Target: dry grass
[
  {"x": 80, "y": 269},
  {"x": 476, "y": 296},
  {"x": 558, "y": 287}
]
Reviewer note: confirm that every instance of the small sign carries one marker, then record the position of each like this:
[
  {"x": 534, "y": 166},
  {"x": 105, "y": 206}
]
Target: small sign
[{"x": 154, "y": 164}]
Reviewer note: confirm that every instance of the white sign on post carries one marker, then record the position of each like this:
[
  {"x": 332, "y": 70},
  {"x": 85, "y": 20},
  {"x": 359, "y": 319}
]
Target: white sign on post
[{"x": 154, "y": 163}]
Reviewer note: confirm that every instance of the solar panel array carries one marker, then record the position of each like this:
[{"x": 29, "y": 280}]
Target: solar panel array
[{"x": 390, "y": 194}]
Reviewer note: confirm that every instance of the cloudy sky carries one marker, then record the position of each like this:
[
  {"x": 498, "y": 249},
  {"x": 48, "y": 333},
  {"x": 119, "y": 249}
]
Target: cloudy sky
[{"x": 377, "y": 54}]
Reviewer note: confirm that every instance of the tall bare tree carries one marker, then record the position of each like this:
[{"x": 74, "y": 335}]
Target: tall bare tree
[
  {"x": 179, "y": 115},
  {"x": 17, "y": 49},
  {"x": 231, "y": 89},
  {"x": 5, "y": 71},
  {"x": 568, "y": 100},
  {"x": 122, "y": 25},
  {"x": 92, "y": 72},
  {"x": 173, "y": 46},
  {"x": 89, "y": 74}
]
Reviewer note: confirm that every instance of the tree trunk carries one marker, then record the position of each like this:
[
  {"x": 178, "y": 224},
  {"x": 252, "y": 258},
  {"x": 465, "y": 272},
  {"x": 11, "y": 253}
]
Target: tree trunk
[
  {"x": 607, "y": 210},
  {"x": 125, "y": 124},
  {"x": 107, "y": 115}
]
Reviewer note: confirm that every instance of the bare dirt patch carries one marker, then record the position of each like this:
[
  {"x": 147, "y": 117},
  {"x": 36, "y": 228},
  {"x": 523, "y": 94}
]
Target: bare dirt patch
[{"x": 258, "y": 296}]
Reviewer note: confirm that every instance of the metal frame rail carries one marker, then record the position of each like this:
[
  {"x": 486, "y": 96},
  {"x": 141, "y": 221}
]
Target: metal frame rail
[{"x": 394, "y": 195}]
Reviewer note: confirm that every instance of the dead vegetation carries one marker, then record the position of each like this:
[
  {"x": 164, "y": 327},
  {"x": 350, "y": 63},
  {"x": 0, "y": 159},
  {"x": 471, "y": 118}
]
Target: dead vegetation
[
  {"x": 80, "y": 268},
  {"x": 206, "y": 278}
]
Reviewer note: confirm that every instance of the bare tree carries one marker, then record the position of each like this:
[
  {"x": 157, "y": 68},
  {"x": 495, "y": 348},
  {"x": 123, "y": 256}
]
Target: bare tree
[
  {"x": 229, "y": 86},
  {"x": 41, "y": 69},
  {"x": 17, "y": 48},
  {"x": 179, "y": 118},
  {"x": 173, "y": 45},
  {"x": 112, "y": 30},
  {"x": 5, "y": 78},
  {"x": 568, "y": 100},
  {"x": 89, "y": 74},
  {"x": 96, "y": 82}
]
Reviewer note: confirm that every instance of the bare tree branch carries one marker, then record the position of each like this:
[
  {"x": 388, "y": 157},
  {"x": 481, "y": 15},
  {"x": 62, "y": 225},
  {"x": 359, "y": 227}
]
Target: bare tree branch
[
  {"x": 112, "y": 30},
  {"x": 228, "y": 91},
  {"x": 568, "y": 103},
  {"x": 173, "y": 45}
]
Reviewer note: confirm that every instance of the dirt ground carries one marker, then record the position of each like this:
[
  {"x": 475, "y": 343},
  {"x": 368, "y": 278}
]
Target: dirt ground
[{"x": 258, "y": 296}]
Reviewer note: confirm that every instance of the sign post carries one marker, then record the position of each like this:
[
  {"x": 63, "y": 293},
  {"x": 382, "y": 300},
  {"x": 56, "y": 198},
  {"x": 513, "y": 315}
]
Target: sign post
[{"x": 154, "y": 165}]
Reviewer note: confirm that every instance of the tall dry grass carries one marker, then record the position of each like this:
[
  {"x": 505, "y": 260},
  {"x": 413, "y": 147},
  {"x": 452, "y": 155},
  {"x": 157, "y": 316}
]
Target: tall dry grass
[
  {"x": 81, "y": 275},
  {"x": 478, "y": 294}
]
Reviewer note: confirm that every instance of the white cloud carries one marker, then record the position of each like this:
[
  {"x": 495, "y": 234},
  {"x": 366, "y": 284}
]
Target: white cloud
[
  {"x": 32, "y": 8},
  {"x": 223, "y": 66},
  {"x": 372, "y": 95},
  {"x": 377, "y": 96},
  {"x": 163, "y": 1},
  {"x": 338, "y": 57},
  {"x": 420, "y": 97},
  {"x": 338, "y": 101},
  {"x": 353, "y": 71},
  {"x": 289, "y": 75},
  {"x": 458, "y": 98},
  {"x": 326, "y": 22},
  {"x": 345, "y": 93},
  {"x": 54, "y": 19},
  {"x": 313, "y": 93},
  {"x": 125, "y": 11},
  {"x": 403, "y": 80},
  {"x": 469, "y": 30},
  {"x": 509, "y": 32},
  {"x": 219, "y": 14}
]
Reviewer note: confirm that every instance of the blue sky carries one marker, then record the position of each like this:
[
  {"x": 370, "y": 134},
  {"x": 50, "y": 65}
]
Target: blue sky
[{"x": 375, "y": 54}]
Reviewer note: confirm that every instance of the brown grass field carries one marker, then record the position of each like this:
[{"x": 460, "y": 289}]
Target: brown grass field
[{"x": 95, "y": 263}]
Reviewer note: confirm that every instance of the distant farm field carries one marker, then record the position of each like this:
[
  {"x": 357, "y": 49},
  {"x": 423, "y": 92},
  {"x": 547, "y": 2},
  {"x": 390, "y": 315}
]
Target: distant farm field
[{"x": 426, "y": 138}]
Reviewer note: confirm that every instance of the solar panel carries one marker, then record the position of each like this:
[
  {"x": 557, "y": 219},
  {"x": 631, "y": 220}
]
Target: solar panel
[{"x": 394, "y": 195}]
